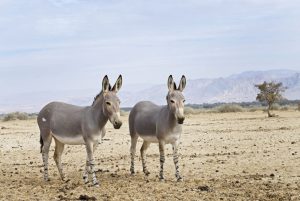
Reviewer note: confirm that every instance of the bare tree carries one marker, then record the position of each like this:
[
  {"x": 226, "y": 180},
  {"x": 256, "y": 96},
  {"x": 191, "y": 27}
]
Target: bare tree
[{"x": 270, "y": 92}]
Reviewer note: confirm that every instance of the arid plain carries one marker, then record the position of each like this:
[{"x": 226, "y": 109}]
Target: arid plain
[{"x": 230, "y": 156}]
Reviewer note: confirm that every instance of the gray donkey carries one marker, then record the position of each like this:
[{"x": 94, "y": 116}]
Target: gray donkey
[
  {"x": 158, "y": 124},
  {"x": 70, "y": 124}
]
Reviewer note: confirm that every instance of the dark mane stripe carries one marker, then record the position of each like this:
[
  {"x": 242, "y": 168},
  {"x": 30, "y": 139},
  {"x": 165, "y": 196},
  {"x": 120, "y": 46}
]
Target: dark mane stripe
[{"x": 96, "y": 97}]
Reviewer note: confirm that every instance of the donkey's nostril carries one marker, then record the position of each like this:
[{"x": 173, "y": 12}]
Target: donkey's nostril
[
  {"x": 180, "y": 120},
  {"x": 117, "y": 124}
]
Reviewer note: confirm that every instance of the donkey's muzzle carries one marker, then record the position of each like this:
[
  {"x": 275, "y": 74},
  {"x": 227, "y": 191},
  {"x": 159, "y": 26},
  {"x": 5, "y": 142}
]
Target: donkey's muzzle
[
  {"x": 180, "y": 120},
  {"x": 117, "y": 124}
]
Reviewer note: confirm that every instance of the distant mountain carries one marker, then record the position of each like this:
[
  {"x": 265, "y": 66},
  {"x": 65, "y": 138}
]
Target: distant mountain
[{"x": 235, "y": 88}]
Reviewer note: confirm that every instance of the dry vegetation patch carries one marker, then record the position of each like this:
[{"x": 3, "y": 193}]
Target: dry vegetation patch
[
  {"x": 16, "y": 116},
  {"x": 229, "y": 108}
]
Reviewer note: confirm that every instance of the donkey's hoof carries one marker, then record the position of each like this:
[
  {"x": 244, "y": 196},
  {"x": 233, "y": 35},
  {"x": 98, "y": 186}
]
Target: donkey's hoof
[
  {"x": 85, "y": 179},
  {"x": 132, "y": 173},
  {"x": 96, "y": 184},
  {"x": 162, "y": 179},
  {"x": 180, "y": 179},
  {"x": 146, "y": 173},
  {"x": 66, "y": 180}
]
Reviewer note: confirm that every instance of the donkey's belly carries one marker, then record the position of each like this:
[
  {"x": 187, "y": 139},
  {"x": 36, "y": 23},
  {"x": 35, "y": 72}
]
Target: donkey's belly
[
  {"x": 68, "y": 139},
  {"x": 149, "y": 138},
  {"x": 172, "y": 138}
]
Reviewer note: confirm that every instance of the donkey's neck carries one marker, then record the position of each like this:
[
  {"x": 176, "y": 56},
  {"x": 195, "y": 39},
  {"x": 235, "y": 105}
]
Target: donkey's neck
[
  {"x": 98, "y": 114},
  {"x": 172, "y": 121}
]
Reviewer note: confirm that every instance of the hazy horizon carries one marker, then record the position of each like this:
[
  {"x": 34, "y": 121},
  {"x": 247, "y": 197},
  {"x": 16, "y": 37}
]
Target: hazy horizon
[{"x": 234, "y": 88}]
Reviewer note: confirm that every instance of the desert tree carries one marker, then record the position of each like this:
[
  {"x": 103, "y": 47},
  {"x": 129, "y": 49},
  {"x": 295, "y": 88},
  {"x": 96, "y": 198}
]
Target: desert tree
[{"x": 269, "y": 93}]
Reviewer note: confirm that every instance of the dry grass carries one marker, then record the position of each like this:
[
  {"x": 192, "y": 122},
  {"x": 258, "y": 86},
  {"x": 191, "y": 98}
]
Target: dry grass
[
  {"x": 192, "y": 111},
  {"x": 16, "y": 116},
  {"x": 227, "y": 108},
  {"x": 255, "y": 109},
  {"x": 124, "y": 113}
]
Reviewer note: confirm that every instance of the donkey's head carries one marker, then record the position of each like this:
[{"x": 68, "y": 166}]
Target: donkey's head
[
  {"x": 111, "y": 103},
  {"x": 176, "y": 99}
]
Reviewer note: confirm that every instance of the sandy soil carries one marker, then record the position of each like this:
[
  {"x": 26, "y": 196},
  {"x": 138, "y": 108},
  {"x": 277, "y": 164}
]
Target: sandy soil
[{"x": 237, "y": 156}]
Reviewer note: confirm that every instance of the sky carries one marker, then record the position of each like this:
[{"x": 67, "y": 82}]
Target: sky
[{"x": 57, "y": 45}]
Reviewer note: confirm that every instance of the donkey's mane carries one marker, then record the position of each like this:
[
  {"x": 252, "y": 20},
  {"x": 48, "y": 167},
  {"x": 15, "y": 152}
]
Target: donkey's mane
[
  {"x": 96, "y": 97},
  {"x": 99, "y": 94}
]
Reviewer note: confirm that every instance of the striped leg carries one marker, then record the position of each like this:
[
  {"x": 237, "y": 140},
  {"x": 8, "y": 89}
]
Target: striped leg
[
  {"x": 175, "y": 158},
  {"x": 87, "y": 166},
  {"x": 143, "y": 155},
  {"x": 92, "y": 172},
  {"x": 86, "y": 172},
  {"x": 91, "y": 162},
  {"x": 132, "y": 153},
  {"x": 59, "y": 148},
  {"x": 45, "y": 155},
  {"x": 162, "y": 160}
]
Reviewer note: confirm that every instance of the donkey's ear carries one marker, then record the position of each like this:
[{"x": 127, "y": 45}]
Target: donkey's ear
[
  {"x": 182, "y": 83},
  {"x": 105, "y": 84},
  {"x": 118, "y": 84},
  {"x": 171, "y": 84}
]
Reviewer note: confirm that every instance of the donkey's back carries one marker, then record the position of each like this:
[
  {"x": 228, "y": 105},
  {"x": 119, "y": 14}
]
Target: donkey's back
[{"x": 58, "y": 115}]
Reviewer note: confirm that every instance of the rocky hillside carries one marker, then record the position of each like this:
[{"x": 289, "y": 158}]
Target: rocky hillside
[{"x": 235, "y": 88}]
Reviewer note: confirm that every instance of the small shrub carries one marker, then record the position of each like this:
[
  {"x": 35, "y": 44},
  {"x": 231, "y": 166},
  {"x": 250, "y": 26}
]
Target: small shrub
[
  {"x": 123, "y": 113},
  {"x": 15, "y": 116},
  {"x": 189, "y": 110},
  {"x": 275, "y": 106},
  {"x": 285, "y": 108},
  {"x": 255, "y": 108},
  {"x": 229, "y": 108},
  {"x": 9, "y": 117}
]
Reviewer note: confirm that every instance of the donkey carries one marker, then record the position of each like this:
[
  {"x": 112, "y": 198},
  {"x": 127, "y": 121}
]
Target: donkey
[
  {"x": 75, "y": 125},
  {"x": 158, "y": 124}
]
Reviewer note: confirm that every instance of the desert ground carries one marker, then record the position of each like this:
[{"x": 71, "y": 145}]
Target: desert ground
[{"x": 231, "y": 156}]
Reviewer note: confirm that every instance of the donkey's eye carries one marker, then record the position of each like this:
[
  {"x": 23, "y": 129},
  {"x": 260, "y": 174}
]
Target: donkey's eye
[
  {"x": 172, "y": 101},
  {"x": 108, "y": 103},
  {"x": 183, "y": 101}
]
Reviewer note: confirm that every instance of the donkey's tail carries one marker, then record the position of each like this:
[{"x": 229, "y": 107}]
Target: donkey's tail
[{"x": 41, "y": 142}]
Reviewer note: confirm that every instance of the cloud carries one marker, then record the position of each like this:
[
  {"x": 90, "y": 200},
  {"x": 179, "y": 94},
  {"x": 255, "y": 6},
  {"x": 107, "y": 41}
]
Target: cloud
[
  {"x": 197, "y": 38},
  {"x": 57, "y": 26},
  {"x": 60, "y": 3}
]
